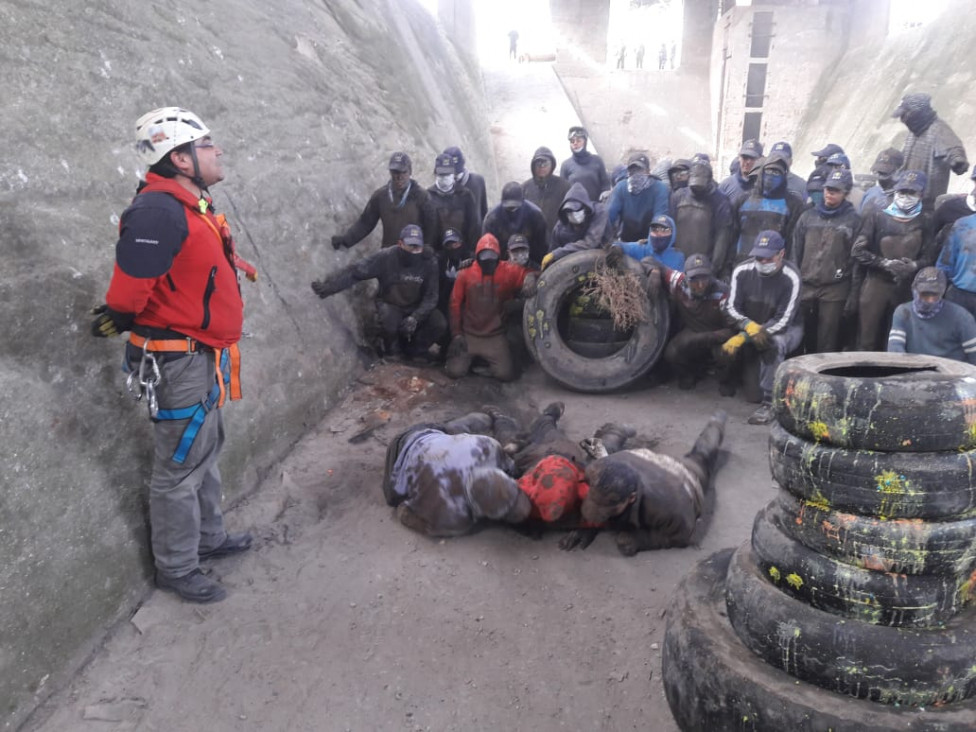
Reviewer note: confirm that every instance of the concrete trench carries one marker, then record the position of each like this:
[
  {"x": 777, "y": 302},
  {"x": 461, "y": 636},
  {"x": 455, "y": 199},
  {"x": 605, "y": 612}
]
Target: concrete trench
[{"x": 340, "y": 618}]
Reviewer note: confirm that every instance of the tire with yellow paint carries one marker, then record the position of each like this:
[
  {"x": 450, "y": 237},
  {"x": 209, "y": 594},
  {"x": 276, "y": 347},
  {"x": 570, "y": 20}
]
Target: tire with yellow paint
[
  {"x": 909, "y": 667},
  {"x": 713, "y": 682},
  {"x": 889, "y": 402},
  {"x": 545, "y": 319},
  {"x": 903, "y": 546},
  {"x": 890, "y": 485},
  {"x": 879, "y": 598}
]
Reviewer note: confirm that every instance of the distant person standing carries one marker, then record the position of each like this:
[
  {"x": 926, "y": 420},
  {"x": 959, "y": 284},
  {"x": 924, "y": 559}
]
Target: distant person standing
[
  {"x": 621, "y": 57},
  {"x": 639, "y": 57},
  {"x": 513, "y": 36},
  {"x": 662, "y": 57}
]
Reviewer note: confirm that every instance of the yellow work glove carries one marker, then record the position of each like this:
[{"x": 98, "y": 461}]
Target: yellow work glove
[
  {"x": 751, "y": 328},
  {"x": 547, "y": 260},
  {"x": 733, "y": 344}
]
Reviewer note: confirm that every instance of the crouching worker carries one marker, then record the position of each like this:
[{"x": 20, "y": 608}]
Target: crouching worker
[
  {"x": 406, "y": 304},
  {"x": 446, "y": 478},
  {"x": 478, "y": 301},
  {"x": 653, "y": 500}
]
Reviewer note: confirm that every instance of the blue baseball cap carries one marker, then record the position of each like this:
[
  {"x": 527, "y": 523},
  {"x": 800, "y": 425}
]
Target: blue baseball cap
[{"x": 769, "y": 243}]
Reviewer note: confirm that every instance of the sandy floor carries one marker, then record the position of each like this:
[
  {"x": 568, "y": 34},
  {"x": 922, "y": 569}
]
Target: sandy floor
[{"x": 341, "y": 619}]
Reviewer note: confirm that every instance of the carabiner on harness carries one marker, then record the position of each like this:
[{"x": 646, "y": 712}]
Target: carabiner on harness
[{"x": 144, "y": 381}]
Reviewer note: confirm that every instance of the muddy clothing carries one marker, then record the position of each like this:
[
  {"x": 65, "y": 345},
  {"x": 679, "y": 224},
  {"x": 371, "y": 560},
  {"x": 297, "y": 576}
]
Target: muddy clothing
[
  {"x": 431, "y": 470},
  {"x": 703, "y": 324},
  {"x": 772, "y": 301},
  {"x": 876, "y": 197},
  {"x": 667, "y": 256},
  {"x": 821, "y": 248},
  {"x": 950, "y": 333},
  {"x": 455, "y": 210},
  {"x": 958, "y": 261},
  {"x": 736, "y": 186},
  {"x": 527, "y": 221},
  {"x": 797, "y": 185},
  {"x": 631, "y": 213},
  {"x": 933, "y": 148},
  {"x": 546, "y": 193},
  {"x": 407, "y": 281},
  {"x": 756, "y": 213},
  {"x": 478, "y": 300},
  {"x": 702, "y": 225},
  {"x": 588, "y": 170},
  {"x": 479, "y": 190},
  {"x": 556, "y": 488},
  {"x": 593, "y": 233},
  {"x": 948, "y": 210},
  {"x": 884, "y": 237},
  {"x": 395, "y": 211}
]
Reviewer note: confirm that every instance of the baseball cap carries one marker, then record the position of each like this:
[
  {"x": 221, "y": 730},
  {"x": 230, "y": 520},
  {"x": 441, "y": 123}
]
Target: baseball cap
[
  {"x": 517, "y": 241},
  {"x": 512, "y": 194},
  {"x": 697, "y": 265},
  {"x": 412, "y": 235},
  {"x": 828, "y": 150},
  {"x": 701, "y": 174},
  {"x": 662, "y": 220},
  {"x": 768, "y": 244},
  {"x": 751, "y": 149},
  {"x": 680, "y": 164},
  {"x": 639, "y": 160},
  {"x": 783, "y": 148},
  {"x": 888, "y": 161},
  {"x": 839, "y": 178},
  {"x": 839, "y": 159},
  {"x": 931, "y": 280},
  {"x": 911, "y": 180},
  {"x": 443, "y": 165},
  {"x": 701, "y": 157},
  {"x": 450, "y": 235},
  {"x": 457, "y": 157},
  {"x": 400, "y": 162}
]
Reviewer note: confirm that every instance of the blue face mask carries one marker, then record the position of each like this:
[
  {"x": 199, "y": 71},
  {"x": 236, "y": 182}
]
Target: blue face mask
[
  {"x": 926, "y": 310},
  {"x": 772, "y": 182}
]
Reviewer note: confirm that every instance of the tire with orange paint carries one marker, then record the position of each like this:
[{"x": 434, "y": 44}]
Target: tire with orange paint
[
  {"x": 878, "y": 598},
  {"x": 896, "y": 666},
  {"x": 904, "y": 546},
  {"x": 713, "y": 682},
  {"x": 888, "y": 402},
  {"x": 891, "y": 485}
]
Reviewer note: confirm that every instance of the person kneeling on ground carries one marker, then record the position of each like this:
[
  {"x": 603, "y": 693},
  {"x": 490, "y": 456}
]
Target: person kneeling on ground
[
  {"x": 444, "y": 479},
  {"x": 764, "y": 305},
  {"x": 658, "y": 246},
  {"x": 477, "y": 308},
  {"x": 654, "y": 501},
  {"x": 931, "y": 325},
  {"x": 406, "y": 304}
]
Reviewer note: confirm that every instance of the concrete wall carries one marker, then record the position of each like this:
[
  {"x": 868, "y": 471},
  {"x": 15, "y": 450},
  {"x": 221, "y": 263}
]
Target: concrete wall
[{"x": 307, "y": 100}]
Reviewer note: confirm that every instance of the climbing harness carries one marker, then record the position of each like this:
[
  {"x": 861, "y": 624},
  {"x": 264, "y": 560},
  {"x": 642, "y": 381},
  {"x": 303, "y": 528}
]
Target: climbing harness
[{"x": 143, "y": 382}]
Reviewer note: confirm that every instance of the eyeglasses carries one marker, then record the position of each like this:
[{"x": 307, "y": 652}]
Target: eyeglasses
[{"x": 204, "y": 143}]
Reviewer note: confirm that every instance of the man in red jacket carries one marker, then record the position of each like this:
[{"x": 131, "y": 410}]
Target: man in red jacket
[
  {"x": 477, "y": 308},
  {"x": 175, "y": 288}
]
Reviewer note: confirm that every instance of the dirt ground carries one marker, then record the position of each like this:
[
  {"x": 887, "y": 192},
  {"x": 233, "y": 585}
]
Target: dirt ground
[{"x": 341, "y": 619}]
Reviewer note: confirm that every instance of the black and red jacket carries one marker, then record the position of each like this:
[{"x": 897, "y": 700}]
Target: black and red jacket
[{"x": 174, "y": 266}]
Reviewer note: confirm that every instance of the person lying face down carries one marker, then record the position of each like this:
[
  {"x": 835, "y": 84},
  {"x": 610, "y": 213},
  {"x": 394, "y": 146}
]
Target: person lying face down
[{"x": 653, "y": 500}]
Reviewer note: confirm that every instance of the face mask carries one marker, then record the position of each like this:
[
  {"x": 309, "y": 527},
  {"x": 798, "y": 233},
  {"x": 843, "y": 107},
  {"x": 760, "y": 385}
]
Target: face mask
[
  {"x": 772, "y": 182},
  {"x": 767, "y": 268},
  {"x": 660, "y": 241},
  {"x": 444, "y": 183},
  {"x": 637, "y": 182},
  {"x": 698, "y": 191},
  {"x": 488, "y": 266},
  {"x": 519, "y": 256},
  {"x": 511, "y": 210},
  {"x": 407, "y": 258},
  {"x": 906, "y": 201},
  {"x": 885, "y": 183},
  {"x": 924, "y": 309},
  {"x": 576, "y": 217}
]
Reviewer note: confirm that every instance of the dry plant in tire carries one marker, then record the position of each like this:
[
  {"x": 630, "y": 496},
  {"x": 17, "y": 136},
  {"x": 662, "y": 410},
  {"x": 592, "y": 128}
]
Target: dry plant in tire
[{"x": 619, "y": 293}]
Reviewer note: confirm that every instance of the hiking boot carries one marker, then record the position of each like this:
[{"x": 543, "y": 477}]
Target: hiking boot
[
  {"x": 233, "y": 544},
  {"x": 194, "y": 587},
  {"x": 613, "y": 436},
  {"x": 554, "y": 410},
  {"x": 763, "y": 415}
]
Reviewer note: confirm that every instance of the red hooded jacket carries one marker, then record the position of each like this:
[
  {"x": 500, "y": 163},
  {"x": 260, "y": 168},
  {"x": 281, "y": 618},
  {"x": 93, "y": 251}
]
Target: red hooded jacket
[{"x": 477, "y": 299}]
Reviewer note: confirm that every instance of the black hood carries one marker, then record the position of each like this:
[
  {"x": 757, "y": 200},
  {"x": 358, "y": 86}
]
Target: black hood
[
  {"x": 576, "y": 192},
  {"x": 544, "y": 152}
]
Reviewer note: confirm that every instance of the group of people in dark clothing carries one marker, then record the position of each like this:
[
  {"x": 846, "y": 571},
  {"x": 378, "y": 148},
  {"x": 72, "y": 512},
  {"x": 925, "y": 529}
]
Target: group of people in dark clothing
[{"x": 758, "y": 266}]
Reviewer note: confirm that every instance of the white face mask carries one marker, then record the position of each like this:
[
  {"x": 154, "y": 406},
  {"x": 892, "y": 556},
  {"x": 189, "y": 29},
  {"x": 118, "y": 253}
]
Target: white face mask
[
  {"x": 444, "y": 183},
  {"x": 519, "y": 256},
  {"x": 906, "y": 201},
  {"x": 576, "y": 217},
  {"x": 766, "y": 268}
]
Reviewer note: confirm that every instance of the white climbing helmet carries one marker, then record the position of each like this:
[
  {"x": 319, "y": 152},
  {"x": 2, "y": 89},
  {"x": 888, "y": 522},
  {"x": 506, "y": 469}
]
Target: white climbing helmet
[{"x": 163, "y": 129}]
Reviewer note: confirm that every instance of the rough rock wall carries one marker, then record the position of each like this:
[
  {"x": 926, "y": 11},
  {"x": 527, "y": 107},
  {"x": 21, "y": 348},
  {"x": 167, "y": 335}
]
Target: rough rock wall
[
  {"x": 854, "y": 100},
  {"x": 307, "y": 99}
]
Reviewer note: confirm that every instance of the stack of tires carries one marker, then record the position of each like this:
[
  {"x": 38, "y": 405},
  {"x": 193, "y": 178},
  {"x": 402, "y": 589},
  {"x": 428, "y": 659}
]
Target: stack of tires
[
  {"x": 852, "y": 606},
  {"x": 578, "y": 345}
]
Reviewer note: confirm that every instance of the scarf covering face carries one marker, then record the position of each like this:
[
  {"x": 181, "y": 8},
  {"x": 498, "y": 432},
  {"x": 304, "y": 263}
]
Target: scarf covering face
[{"x": 926, "y": 310}]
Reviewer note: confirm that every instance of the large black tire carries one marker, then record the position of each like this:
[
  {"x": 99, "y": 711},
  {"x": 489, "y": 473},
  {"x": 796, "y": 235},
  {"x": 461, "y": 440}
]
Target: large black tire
[
  {"x": 715, "y": 683},
  {"x": 593, "y": 330},
  {"x": 595, "y": 350},
  {"x": 890, "y": 402},
  {"x": 903, "y": 546},
  {"x": 891, "y": 485},
  {"x": 904, "y": 666},
  {"x": 541, "y": 318},
  {"x": 825, "y": 583}
]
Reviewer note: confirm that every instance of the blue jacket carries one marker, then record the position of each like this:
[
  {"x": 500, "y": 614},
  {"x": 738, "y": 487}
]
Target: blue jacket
[
  {"x": 631, "y": 214},
  {"x": 958, "y": 258},
  {"x": 669, "y": 257}
]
